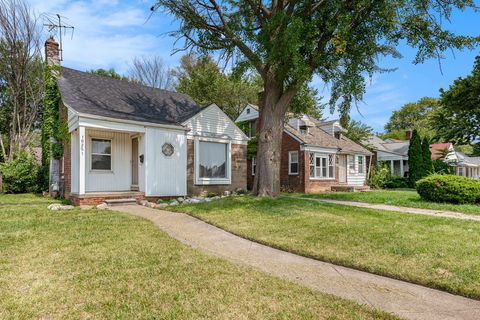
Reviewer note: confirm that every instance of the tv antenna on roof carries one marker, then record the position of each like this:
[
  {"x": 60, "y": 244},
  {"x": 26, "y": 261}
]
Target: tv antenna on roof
[{"x": 56, "y": 24}]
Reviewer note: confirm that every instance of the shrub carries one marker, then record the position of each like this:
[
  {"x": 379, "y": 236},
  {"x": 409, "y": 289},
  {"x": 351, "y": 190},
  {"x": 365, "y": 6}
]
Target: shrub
[
  {"x": 441, "y": 167},
  {"x": 20, "y": 175},
  {"x": 379, "y": 176},
  {"x": 449, "y": 188},
  {"x": 397, "y": 182}
]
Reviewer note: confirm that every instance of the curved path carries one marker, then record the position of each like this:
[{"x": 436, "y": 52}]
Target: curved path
[
  {"x": 387, "y": 207},
  {"x": 404, "y": 299}
]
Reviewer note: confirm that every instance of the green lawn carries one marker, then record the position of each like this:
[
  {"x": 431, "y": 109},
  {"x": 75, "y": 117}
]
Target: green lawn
[
  {"x": 398, "y": 198},
  {"x": 437, "y": 252},
  {"x": 104, "y": 265}
]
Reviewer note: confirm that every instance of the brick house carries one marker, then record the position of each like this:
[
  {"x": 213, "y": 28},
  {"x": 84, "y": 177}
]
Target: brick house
[
  {"x": 130, "y": 141},
  {"x": 316, "y": 155}
]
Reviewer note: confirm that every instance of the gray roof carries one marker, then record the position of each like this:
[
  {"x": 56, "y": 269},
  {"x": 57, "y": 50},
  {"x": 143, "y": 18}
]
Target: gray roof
[
  {"x": 119, "y": 99},
  {"x": 397, "y": 147}
]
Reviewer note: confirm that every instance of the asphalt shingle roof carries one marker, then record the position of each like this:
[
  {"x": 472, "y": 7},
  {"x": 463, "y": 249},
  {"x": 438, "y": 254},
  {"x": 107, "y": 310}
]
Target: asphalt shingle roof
[
  {"x": 318, "y": 137},
  {"x": 119, "y": 99}
]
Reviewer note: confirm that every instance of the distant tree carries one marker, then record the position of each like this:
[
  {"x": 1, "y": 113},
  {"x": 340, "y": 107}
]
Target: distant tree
[
  {"x": 476, "y": 149},
  {"x": 414, "y": 115},
  {"x": 20, "y": 76},
  {"x": 415, "y": 159},
  {"x": 151, "y": 71},
  {"x": 396, "y": 134},
  {"x": 108, "y": 73},
  {"x": 458, "y": 118},
  {"x": 201, "y": 78},
  {"x": 358, "y": 131},
  {"x": 427, "y": 158}
]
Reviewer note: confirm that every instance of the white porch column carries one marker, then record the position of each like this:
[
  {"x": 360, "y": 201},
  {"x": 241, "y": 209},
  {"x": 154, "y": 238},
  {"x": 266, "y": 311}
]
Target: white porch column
[
  {"x": 391, "y": 167},
  {"x": 81, "y": 163},
  {"x": 401, "y": 168}
]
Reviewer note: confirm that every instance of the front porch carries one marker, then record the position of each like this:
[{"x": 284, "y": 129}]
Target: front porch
[{"x": 104, "y": 164}]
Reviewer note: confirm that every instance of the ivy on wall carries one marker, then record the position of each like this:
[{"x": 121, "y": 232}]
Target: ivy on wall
[{"x": 52, "y": 124}]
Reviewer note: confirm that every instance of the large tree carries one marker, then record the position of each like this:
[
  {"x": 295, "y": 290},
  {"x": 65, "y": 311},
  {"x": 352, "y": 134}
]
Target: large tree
[
  {"x": 413, "y": 115},
  {"x": 289, "y": 41},
  {"x": 458, "y": 117},
  {"x": 358, "y": 131}
]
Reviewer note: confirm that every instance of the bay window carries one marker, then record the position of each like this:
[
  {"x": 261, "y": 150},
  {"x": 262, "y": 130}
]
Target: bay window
[
  {"x": 322, "y": 166},
  {"x": 361, "y": 164},
  {"x": 212, "y": 163}
]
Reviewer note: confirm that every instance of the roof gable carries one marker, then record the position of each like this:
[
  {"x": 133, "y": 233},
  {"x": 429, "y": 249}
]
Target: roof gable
[
  {"x": 103, "y": 96},
  {"x": 213, "y": 122},
  {"x": 250, "y": 112}
]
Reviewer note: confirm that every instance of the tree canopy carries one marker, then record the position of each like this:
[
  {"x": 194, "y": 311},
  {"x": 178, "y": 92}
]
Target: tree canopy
[
  {"x": 108, "y": 73},
  {"x": 413, "y": 115},
  {"x": 458, "y": 118},
  {"x": 358, "y": 131}
]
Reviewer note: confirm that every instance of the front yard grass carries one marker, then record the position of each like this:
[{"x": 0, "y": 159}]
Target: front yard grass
[
  {"x": 104, "y": 265},
  {"x": 436, "y": 252},
  {"x": 403, "y": 198}
]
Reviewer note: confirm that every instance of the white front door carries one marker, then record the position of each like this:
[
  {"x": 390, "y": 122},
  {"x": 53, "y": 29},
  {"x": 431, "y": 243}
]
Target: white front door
[{"x": 134, "y": 164}]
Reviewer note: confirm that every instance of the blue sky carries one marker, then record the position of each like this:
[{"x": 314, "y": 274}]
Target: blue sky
[{"x": 108, "y": 34}]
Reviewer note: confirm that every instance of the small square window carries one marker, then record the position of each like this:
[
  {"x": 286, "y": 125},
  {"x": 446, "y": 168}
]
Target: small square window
[{"x": 101, "y": 154}]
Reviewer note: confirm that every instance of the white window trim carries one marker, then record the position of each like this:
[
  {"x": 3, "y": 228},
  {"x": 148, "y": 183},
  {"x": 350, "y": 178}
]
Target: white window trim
[
  {"x": 254, "y": 165},
  {"x": 355, "y": 168},
  {"x": 322, "y": 155},
  {"x": 91, "y": 155},
  {"x": 363, "y": 164},
  {"x": 290, "y": 173},
  {"x": 213, "y": 181}
]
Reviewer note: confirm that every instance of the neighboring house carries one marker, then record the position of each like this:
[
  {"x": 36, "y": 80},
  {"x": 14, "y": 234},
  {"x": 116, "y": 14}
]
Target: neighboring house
[
  {"x": 393, "y": 152},
  {"x": 316, "y": 155},
  {"x": 132, "y": 141},
  {"x": 465, "y": 166}
]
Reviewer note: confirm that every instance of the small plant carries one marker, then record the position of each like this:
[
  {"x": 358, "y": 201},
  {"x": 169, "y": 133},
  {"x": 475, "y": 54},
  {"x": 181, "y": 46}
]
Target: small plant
[
  {"x": 20, "y": 175},
  {"x": 379, "y": 176},
  {"x": 449, "y": 188},
  {"x": 212, "y": 194}
]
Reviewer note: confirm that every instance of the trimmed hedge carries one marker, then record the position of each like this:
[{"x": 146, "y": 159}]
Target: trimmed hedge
[{"x": 449, "y": 188}]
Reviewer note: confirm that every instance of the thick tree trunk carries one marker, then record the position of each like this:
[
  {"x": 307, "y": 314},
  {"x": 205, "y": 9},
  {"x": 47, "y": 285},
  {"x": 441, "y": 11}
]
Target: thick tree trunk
[{"x": 273, "y": 106}]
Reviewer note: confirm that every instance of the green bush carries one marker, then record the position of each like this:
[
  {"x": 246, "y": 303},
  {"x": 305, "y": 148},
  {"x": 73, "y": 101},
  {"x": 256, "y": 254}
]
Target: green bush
[
  {"x": 379, "y": 176},
  {"x": 20, "y": 175},
  {"x": 449, "y": 188},
  {"x": 441, "y": 167},
  {"x": 397, "y": 182}
]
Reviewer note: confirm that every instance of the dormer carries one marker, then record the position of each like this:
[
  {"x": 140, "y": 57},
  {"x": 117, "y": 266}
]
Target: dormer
[
  {"x": 302, "y": 124},
  {"x": 333, "y": 128}
]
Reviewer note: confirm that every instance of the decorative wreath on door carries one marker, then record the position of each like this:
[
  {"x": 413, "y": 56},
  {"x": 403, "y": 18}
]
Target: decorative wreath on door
[{"x": 167, "y": 149}]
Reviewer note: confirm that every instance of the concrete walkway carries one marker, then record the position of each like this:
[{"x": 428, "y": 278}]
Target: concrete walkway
[
  {"x": 401, "y": 298},
  {"x": 385, "y": 207}
]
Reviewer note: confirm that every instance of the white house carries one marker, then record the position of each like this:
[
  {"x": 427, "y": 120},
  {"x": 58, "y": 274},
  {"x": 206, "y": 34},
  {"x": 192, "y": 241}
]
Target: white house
[{"x": 127, "y": 140}]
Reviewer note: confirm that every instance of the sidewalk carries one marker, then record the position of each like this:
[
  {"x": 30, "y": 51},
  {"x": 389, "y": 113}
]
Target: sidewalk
[
  {"x": 404, "y": 299},
  {"x": 385, "y": 207}
]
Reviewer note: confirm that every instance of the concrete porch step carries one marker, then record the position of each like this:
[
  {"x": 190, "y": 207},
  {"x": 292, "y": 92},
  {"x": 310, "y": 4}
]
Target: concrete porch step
[
  {"x": 347, "y": 188},
  {"x": 121, "y": 202}
]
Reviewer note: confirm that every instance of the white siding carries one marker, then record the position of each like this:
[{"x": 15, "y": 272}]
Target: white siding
[
  {"x": 213, "y": 122},
  {"x": 165, "y": 176},
  {"x": 355, "y": 178},
  {"x": 119, "y": 178},
  {"x": 74, "y": 151},
  {"x": 248, "y": 113}
]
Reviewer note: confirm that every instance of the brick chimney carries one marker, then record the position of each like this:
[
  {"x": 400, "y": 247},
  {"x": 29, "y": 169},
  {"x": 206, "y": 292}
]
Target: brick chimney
[
  {"x": 408, "y": 134},
  {"x": 52, "y": 52}
]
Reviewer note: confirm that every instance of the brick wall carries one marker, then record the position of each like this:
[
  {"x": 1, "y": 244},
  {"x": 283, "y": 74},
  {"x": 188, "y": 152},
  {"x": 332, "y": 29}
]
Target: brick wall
[
  {"x": 312, "y": 186},
  {"x": 291, "y": 183},
  {"x": 239, "y": 171}
]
